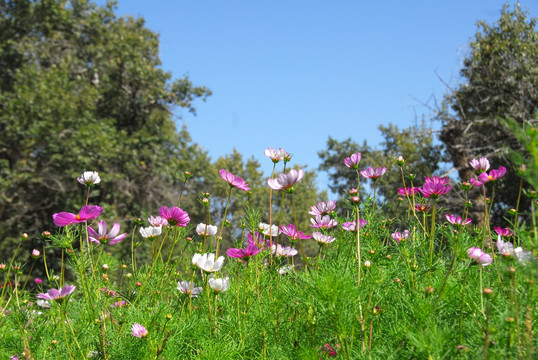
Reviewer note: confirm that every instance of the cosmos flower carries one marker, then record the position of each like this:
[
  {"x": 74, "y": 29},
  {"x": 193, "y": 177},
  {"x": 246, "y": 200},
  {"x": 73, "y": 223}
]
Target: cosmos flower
[
  {"x": 286, "y": 181},
  {"x": 434, "y": 187},
  {"x": 251, "y": 250},
  {"x": 480, "y": 257},
  {"x": 353, "y": 161},
  {"x": 457, "y": 220},
  {"x": 322, "y": 239},
  {"x": 352, "y": 225},
  {"x": 57, "y": 294},
  {"x": 150, "y": 231},
  {"x": 323, "y": 208},
  {"x": 88, "y": 212},
  {"x": 275, "y": 155},
  {"x": 207, "y": 263},
  {"x": 219, "y": 285},
  {"x": 286, "y": 251},
  {"x": 188, "y": 288},
  {"x": 507, "y": 250},
  {"x": 408, "y": 191},
  {"x": 102, "y": 237},
  {"x": 503, "y": 231},
  {"x": 285, "y": 269},
  {"x": 370, "y": 173},
  {"x": 479, "y": 166},
  {"x": 89, "y": 178},
  {"x": 208, "y": 230},
  {"x": 139, "y": 331},
  {"x": 157, "y": 221},
  {"x": 268, "y": 230},
  {"x": 291, "y": 232},
  {"x": 174, "y": 216},
  {"x": 234, "y": 181},
  {"x": 422, "y": 207},
  {"x": 397, "y": 236},
  {"x": 324, "y": 222}
]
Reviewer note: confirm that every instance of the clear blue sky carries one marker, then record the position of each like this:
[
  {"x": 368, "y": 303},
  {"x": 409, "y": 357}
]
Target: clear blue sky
[{"x": 289, "y": 73}]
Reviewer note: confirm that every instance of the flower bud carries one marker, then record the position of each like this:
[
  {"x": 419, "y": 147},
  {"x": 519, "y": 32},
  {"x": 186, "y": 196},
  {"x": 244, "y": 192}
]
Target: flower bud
[
  {"x": 105, "y": 277},
  {"x": 128, "y": 275},
  {"x": 400, "y": 161},
  {"x": 353, "y": 191},
  {"x": 35, "y": 253},
  {"x": 138, "y": 283},
  {"x": 46, "y": 233},
  {"x": 25, "y": 236},
  {"x": 411, "y": 176},
  {"x": 487, "y": 291},
  {"x": 124, "y": 266},
  {"x": 355, "y": 199},
  {"x": 367, "y": 264},
  {"x": 168, "y": 316},
  {"x": 105, "y": 267}
]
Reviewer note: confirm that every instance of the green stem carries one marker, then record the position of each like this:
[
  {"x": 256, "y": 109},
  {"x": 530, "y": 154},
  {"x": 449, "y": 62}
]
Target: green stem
[{"x": 219, "y": 239}]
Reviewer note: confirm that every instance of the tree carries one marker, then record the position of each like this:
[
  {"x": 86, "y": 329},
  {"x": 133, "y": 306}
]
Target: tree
[
  {"x": 499, "y": 81},
  {"x": 81, "y": 89}
]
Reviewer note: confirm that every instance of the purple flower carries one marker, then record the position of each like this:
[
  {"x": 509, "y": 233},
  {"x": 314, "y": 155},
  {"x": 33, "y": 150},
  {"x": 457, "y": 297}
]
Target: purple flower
[
  {"x": 102, "y": 237},
  {"x": 323, "y": 208},
  {"x": 174, "y": 216},
  {"x": 291, "y": 232},
  {"x": 492, "y": 176},
  {"x": 286, "y": 181},
  {"x": 370, "y": 173},
  {"x": 404, "y": 235},
  {"x": 479, "y": 166},
  {"x": 480, "y": 257},
  {"x": 251, "y": 250},
  {"x": 352, "y": 225},
  {"x": 275, "y": 155},
  {"x": 456, "y": 220},
  {"x": 139, "y": 331},
  {"x": 324, "y": 222},
  {"x": 234, "y": 181},
  {"x": 88, "y": 212},
  {"x": 57, "y": 294},
  {"x": 353, "y": 161},
  {"x": 503, "y": 231},
  {"x": 322, "y": 239},
  {"x": 435, "y": 187}
]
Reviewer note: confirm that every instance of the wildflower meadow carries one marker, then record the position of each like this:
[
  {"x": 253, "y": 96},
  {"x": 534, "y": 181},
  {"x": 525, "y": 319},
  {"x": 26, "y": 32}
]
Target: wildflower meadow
[{"x": 355, "y": 284}]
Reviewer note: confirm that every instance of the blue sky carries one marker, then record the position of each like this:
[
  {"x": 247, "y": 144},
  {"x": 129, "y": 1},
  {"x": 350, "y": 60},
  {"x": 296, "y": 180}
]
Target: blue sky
[{"x": 289, "y": 73}]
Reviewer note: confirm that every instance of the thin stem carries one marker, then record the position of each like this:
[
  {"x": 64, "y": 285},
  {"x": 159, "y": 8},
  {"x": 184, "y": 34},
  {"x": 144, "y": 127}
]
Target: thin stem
[{"x": 219, "y": 239}]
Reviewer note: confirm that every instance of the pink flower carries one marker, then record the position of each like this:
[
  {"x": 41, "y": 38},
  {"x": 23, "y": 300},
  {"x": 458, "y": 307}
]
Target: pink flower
[
  {"x": 323, "y": 208},
  {"x": 286, "y": 251},
  {"x": 251, "y": 250},
  {"x": 175, "y": 216},
  {"x": 286, "y": 181},
  {"x": 57, "y": 294},
  {"x": 456, "y": 220},
  {"x": 353, "y": 161},
  {"x": 88, "y": 212},
  {"x": 275, "y": 155},
  {"x": 370, "y": 173},
  {"x": 480, "y": 257},
  {"x": 435, "y": 187},
  {"x": 234, "y": 181},
  {"x": 480, "y": 165},
  {"x": 35, "y": 253},
  {"x": 503, "y": 231},
  {"x": 291, "y": 232},
  {"x": 102, "y": 237},
  {"x": 157, "y": 221},
  {"x": 352, "y": 225},
  {"x": 404, "y": 235},
  {"x": 38, "y": 281},
  {"x": 422, "y": 208},
  {"x": 324, "y": 222},
  {"x": 139, "y": 331},
  {"x": 322, "y": 239},
  {"x": 408, "y": 191}
]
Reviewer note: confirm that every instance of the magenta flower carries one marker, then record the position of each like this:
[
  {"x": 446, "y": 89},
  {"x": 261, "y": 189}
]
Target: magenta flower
[
  {"x": 435, "y": 187},
  {"x": 353, "y": 161},
  {"x": 323, "y": 208},
  {"x": 251, "y": 250},
  {"x": 174, "y": 216},
  {"x": 139, "y": 331},
  {"x": 286, "y": 181},
  {"x": 88, "y": 212},
  {"x": 322, "y": 239},
  {"x": 503, "y": 231},
  {"x": 275, "y": 155},
  {"x": 292, "y": 233},
  {"x": 102, "y": 237},
  {"x": 57, "y": 294},
  {"x": 370, "y": 173},
  {"x": 352, "y": 225},
  {"x": 324, "y": 222},
  {"x": 422, "y": 208},
  {"x": 285, "y": 251},
  {"x": 479, "y": 166},
  {"x": 480, "y": 257},
  {"x": 404, "y": 235},
  {"x": 408, "y": 191},
  {"x": 234, "y": 181},
  {"x": 457, "y": 220}
]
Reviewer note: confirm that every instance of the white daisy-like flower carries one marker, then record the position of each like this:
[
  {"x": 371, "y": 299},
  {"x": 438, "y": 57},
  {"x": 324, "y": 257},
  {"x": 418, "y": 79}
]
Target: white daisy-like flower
[
  {"x": 207, "y": 263},
  {"x": 89, "y": 178},
  {"x": 208, "y": 230},
  {"x": 219, "y": 285},
  {"x": 151, "y": 231}
]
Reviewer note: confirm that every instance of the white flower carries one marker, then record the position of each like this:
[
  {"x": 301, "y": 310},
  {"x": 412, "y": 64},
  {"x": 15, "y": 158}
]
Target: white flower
[
  {"x": 268, "y": 230},
  {"x": 322, "y": 239},
  {"x": 89, "y": 178},
  {"x": 507, "y": 249},
  {"x": 285, "y": 269},
  {"x": 187, "y": 287},
  {"x": 203, "y": 229},
  {"x": 219, "y": 285},
  {"x": 207, "y": 263},
  {"x": 151, "y": 231},
  {"x": 43, "y": 304},
  {"x": 283, "y": 251}
]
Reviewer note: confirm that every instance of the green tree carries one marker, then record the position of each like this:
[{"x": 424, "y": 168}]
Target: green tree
[
  {"x": 81, "y": 89},
  {"x": 499, "y": 81}
]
